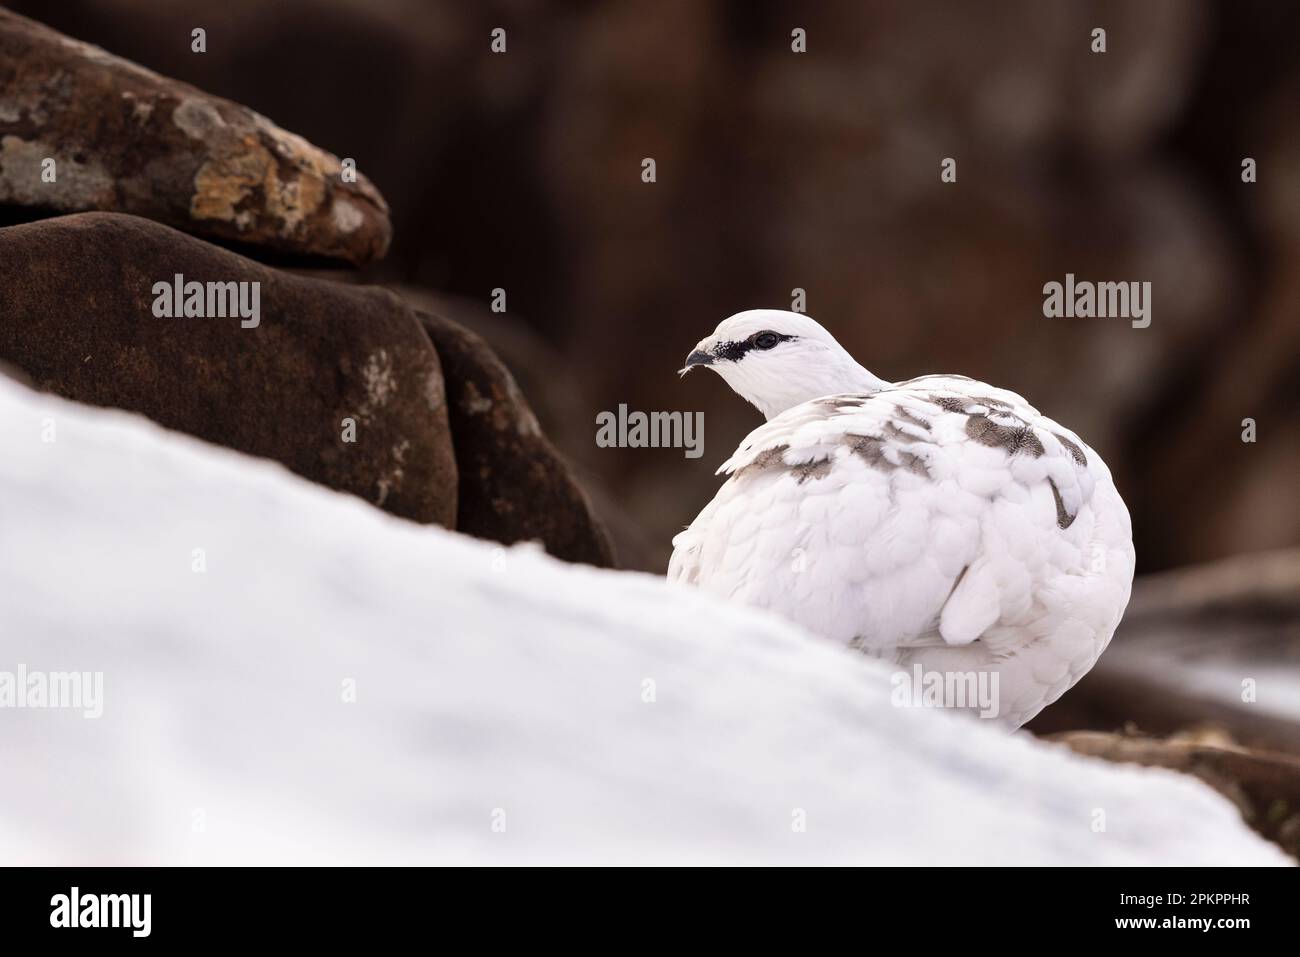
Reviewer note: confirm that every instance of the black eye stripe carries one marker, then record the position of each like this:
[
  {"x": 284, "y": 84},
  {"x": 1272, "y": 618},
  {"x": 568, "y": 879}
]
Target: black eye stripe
[{"x": 735, "y": 351}]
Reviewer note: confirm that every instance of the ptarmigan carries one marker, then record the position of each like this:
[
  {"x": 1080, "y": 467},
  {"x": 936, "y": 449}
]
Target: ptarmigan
[{"x": 937, "y": 521}]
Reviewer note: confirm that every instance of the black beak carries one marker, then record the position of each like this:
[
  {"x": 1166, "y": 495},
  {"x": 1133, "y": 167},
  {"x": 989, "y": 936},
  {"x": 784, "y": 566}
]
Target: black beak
[{"x": 699, "y": 358}]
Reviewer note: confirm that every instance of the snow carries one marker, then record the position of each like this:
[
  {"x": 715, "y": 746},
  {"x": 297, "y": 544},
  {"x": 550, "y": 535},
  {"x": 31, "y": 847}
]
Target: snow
[{"x": 492, "y": 687}]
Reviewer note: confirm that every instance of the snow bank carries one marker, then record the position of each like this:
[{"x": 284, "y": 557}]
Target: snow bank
[{"x": 500, "y": 710}]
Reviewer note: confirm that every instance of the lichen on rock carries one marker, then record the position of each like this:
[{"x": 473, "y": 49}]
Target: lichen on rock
[{"x": 125, "y": 139}]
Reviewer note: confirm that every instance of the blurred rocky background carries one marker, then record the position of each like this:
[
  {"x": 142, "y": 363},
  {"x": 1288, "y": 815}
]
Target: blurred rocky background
[
  {"x": 779, "y": 170},
  {"x": 775, "y": 170}
]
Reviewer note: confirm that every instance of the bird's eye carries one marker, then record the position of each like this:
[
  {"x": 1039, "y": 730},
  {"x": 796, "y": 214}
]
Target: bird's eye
[{"x": 766, "y": 340}]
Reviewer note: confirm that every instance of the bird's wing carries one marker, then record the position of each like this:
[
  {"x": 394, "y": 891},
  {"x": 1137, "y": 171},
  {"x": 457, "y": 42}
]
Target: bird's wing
[{"x": 932, "y": 513}]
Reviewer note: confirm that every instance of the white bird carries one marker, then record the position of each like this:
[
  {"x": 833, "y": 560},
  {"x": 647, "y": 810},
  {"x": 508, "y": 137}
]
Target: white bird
[{"x": 938, "y": 521}]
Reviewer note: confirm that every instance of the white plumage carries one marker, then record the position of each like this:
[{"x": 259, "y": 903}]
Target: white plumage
[{"x": 937, "y": 521}]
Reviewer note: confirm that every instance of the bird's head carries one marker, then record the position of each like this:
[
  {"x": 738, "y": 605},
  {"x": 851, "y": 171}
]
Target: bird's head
[{"x": 775, "y": 360}]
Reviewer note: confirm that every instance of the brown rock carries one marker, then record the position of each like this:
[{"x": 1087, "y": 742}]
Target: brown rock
[
  {"x": 79, "y": 320},
  {"x": 514, "y": 485},
  {"x": 126, "y": 139},
  {"x": 533, "y": 361},
  {"x": 410, "y": 88},
  {"x": 558, "y": 399}
]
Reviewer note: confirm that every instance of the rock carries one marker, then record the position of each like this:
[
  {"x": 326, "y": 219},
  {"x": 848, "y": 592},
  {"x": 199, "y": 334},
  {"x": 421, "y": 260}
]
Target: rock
[
  {"x": 559, "y": 400},
  {"x": 533, "y": 361},
  {"x": 324, "y": 357},
  {"x": 79, "y": 320},
  {"x": 1265, "y": 786},
  {"x": 126, "y": 139},
  {"x": 410, "y": 88},
  {"x": 513, "y": 484}
]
